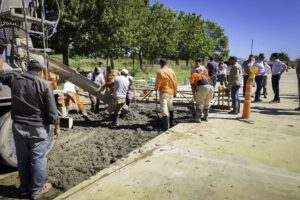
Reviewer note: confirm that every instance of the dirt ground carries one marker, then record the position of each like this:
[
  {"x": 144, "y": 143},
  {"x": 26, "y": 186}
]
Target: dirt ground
[{"x": 93, "y": 144}]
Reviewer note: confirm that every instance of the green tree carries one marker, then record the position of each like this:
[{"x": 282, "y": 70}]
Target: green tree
[
  {"x": 284, "y": 57},
  {"x": 119, "y": 26},
  {"x": 159, "y": 33},
  {"x": 193, "y": 41},
  {"x": 220, "y": 40}
]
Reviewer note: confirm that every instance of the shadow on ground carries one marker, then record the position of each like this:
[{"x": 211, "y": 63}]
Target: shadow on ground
[{"x": 273, "y": 111}]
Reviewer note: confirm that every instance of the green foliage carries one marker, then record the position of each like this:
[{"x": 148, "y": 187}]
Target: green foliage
[
  {"x": 284, "y": 57},
  {"x": 112, "y": 29},
  {"x": 218, "y": 38},
  {"x": 193, "y": 40}
]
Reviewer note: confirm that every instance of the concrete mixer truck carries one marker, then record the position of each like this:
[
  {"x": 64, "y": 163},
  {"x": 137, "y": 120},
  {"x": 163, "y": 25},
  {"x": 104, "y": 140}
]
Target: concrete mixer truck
[{"x": 19, "y": 21}]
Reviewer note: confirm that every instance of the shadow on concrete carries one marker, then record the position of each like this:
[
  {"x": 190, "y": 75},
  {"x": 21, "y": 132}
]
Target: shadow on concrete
[
  {"x": 9, "y": 191},
  {"x": 273, "y": 111}
]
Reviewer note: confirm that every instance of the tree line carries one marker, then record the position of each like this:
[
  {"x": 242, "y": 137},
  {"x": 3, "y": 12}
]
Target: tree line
[{"x": 135, "y": 29}]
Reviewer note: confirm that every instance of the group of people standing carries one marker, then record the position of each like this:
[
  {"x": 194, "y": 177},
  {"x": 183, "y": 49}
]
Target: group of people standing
[{"x": 203, "y": 81}]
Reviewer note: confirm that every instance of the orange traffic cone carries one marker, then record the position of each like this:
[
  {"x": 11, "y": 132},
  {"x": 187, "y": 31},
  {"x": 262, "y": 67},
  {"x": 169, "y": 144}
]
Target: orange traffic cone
[{"x": 247, "y": 101}]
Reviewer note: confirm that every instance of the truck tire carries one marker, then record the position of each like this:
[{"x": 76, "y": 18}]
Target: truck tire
[{"x": 7, "y": 145}]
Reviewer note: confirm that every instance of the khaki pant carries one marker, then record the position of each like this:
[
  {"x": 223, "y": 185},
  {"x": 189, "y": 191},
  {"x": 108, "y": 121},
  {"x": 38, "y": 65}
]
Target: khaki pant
[
  {"x": 166, "y": 103},
  {"x": 116, "y": 104},
  {"x": 203, "y": 96}
]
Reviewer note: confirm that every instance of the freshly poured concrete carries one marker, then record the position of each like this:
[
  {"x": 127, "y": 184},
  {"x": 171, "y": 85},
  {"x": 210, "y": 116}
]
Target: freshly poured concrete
[{"x": 222, "y": 159}]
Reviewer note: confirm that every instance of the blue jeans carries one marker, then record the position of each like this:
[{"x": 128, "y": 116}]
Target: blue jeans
[
  {"x": 235, "y": 93},
  {"x": 259, "y": 82},
  {"x": 31, "y": 147}
]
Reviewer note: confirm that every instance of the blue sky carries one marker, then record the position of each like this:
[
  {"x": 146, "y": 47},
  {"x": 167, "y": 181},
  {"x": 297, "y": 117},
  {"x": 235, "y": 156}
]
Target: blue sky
[{"x": 274, "y": 25}]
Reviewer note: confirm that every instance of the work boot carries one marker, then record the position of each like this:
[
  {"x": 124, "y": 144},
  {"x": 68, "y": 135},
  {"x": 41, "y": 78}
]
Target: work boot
[
  {"x": 115, "y": 121},
  {"x": 234, "y": 108},
  {"x": 198, "y": 115},
  {"x": 166, "y": 123},
  {"x": 205, "y": 114},
  {"x": 96, "y": 110},
  {"x": 46, "y": 187},
  {"x": 92, "y": 108},
  {"x": 171, "y": 118}
]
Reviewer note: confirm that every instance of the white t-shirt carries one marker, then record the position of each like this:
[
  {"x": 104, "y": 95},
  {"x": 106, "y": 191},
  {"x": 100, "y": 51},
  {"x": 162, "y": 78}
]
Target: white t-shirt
[
  {"x": 99, "y": 79},
  {"x": 222, "y": 69},
  {"x": 121, "y": 84},
  {"x": 261, "y": 68},
  {"x": 69, "y": 87}
]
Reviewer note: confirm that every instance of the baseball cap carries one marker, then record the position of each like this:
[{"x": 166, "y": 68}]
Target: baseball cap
[{"x": 124, "y": 71}]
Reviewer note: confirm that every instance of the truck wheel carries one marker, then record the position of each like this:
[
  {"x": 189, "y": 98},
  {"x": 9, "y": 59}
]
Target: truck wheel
[{"x": 7, "y": 145}]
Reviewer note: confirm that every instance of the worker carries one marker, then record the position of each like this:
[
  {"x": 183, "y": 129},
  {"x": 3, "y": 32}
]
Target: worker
[
  {"x": 298, "y": 77},
  {"x": 102, "y": 69},
  {"x": 278, "y": 67},
  {"x": 234, "y": 84},
  {"x": 166, "y": 83},
  {"x": 33, "y": 112},
  {"x": 222, "y": 71},
  {"x": 246, "y": 66},
  {"x": 129, "y": 95},
  {"x": 198, "y": 67},
  {"x": 265, "y": 79},
  {"x": 97, "y": 77},
  {"x": 71, "y": 93},
  {"x": 212, "y": 67},
  {"x": 121, "y": 86},
  {"x": 111, "y": 73},
  {"x": 260, "y": 64},
  {"x": 203, "y": 90},
  {"x": 52, "y": 78}
]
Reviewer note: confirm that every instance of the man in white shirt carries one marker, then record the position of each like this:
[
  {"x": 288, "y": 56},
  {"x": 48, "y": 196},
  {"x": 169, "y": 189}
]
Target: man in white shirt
[
  {"x": 97, "y": 77},
  {"x": 121, "y": 86},
  {"x": 71, "y": 95},
  {"x": 222, "y": 73},
  {"x": 278, "y": 68},
  {"x": 260, "y": 63}
]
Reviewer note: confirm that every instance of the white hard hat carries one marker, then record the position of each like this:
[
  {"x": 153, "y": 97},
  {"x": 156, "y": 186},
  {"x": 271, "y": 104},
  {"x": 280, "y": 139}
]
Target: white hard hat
[{"x": 124, "y": 71}]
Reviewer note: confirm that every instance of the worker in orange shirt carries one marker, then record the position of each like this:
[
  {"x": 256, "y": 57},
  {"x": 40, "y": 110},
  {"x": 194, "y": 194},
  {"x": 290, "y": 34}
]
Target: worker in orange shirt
[
  {"x": 52, "y": 78},
  {"x": 166, "y": 83},
  {"x": 110, "y": 74},
  {"x": 203, "y": 90}
]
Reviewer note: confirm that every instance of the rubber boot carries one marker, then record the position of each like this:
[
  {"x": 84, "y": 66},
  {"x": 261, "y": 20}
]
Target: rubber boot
[
  {"x": 166, "y": 123},
  {"x": 96, "y": 110},
  {"x": 238, "y": 106},
  {"x": 115, "y": 121},
  {"x": 171, "y": 118},
  {"x": 205, "y": 114},
  {"x": 198, "y": 115},
  {"x": 234, "y": 108},
  {"x": 92, "y": 108}
]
